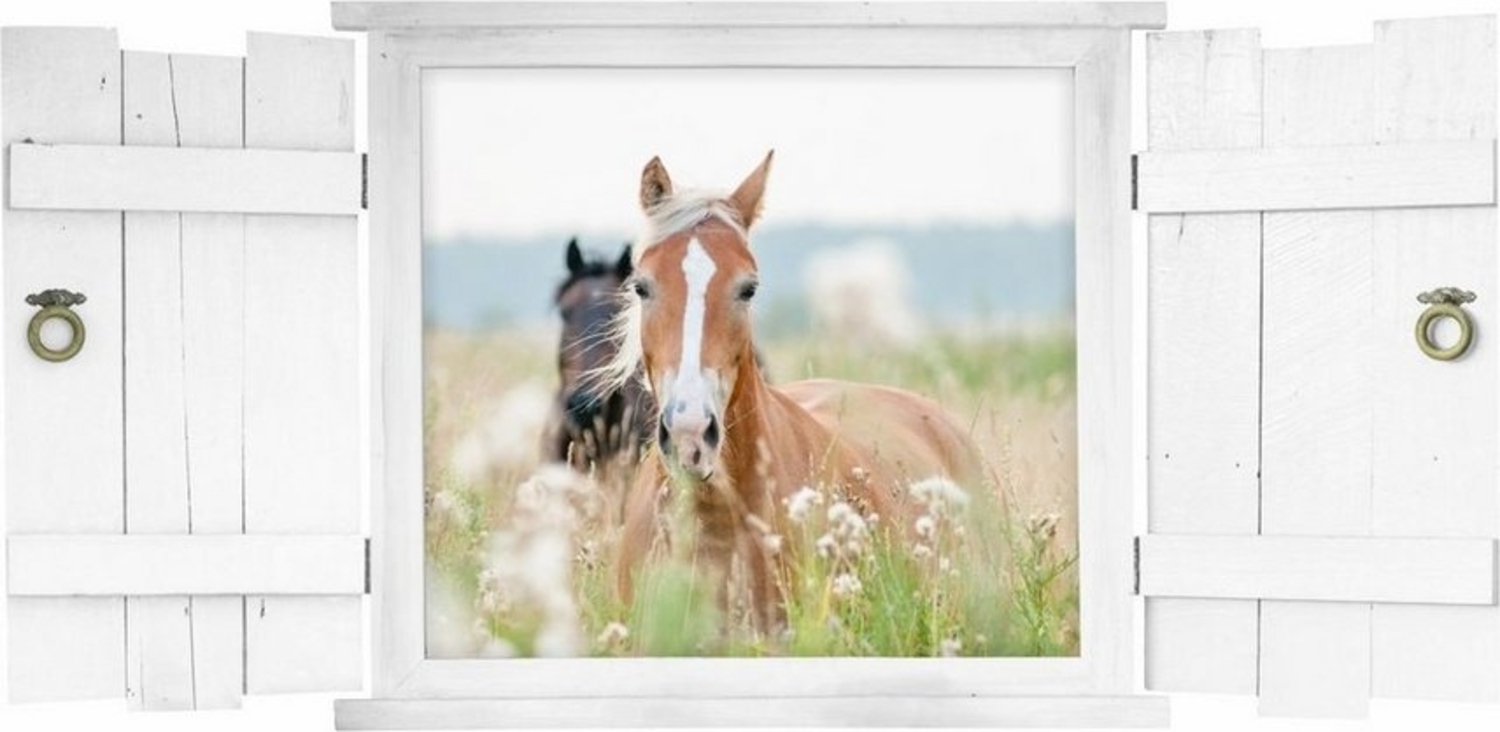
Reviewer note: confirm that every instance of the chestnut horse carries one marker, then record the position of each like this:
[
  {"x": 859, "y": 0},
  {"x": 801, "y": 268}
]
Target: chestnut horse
[{"x": 737, "y": 446}]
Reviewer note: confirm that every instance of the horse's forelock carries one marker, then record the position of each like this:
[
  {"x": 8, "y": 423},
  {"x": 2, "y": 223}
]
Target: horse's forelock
[{"x": 685, "y": 211}]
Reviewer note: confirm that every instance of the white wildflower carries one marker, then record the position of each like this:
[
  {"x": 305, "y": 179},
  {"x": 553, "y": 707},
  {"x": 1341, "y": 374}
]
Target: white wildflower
[
  {"x": 950, "y": 647},
  {"x": 827, "y": 546},
  {"x": 613, "y": 634},
  {"x": 772, "y": 543},
  {"x": 800, "y": 504},
  {"x": 926, "y": 527},
  {"x": 944, "y": 564},
  {"x": 846, "y": 585},
  {"x": 847, "y": 532},
  {"x": 939, "y": 494},
  {"x": 921, "y": 551}
]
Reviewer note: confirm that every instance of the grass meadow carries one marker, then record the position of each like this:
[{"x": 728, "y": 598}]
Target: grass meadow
[{"x": 520, "y": 557}]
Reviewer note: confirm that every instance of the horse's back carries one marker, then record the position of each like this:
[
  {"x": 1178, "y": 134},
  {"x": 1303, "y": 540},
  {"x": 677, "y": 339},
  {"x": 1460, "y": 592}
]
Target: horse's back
[{"x": 905, "y": 436}]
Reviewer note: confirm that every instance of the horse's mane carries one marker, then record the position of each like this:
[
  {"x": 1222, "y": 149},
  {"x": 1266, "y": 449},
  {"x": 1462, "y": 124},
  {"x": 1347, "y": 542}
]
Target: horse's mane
[{"x": 674, "y": 215}]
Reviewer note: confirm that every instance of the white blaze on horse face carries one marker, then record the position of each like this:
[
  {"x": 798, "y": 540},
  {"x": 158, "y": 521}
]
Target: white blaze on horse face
[
  {"x": 690, "y": 385},
  {"x": 691, "y": 403}
]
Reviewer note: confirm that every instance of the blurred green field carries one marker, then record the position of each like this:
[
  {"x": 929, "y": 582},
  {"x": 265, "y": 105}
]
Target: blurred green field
[{"x": 522, "y": 563}]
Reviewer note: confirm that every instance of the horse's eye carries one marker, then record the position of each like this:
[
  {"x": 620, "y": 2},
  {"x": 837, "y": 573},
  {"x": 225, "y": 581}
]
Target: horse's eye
[
  {"x": 642, "y": 290},
  {"x": 747, "y": 291}
]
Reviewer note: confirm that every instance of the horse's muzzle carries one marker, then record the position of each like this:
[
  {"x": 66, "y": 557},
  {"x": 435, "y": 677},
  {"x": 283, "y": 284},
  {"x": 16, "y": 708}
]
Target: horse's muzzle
[{"x": 690, "y": 437}]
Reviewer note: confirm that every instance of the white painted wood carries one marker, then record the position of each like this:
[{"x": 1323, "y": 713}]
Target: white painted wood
[
  {"x": 63, "y": 453},
  {"x": 210, "y": 113},
  {"x": 371, "y": 16},
  {"x": 1332, "y": 681},
  {"x": 1104, "y": 306},
  {"x": 839, "y": 711},
  {"x": 1435, "y": 423},
  {"x": 1316, "y": 384},
  {"x": 1345, "y": 569},
  {"x": 301, "y": 431},
  {"x": 760, "y": 47},
  {"x": 397, "y": 561},
  {"x": 203, "y": 564},
  {"x": 401, "y": 669},
  {"x": 1203, "y": 92},
  {"x": 91, "y": 177},
  {"x": 1338, "y": 175},
  {"x": 158, "y": 643}
]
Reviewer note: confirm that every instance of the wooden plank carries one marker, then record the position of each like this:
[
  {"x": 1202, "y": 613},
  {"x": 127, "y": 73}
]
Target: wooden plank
[
  {"x": 906, "y": 48},
  {"x": 58, "y": 565},
  {"x": 369, "y": 16},
  {"x": 1315, "y": 384},
  {"x": 210, "y": 113},
  {"x": 1104, "y": 305},
  {"x": 1203, "y": 92},
  {"x": 839, "y": 711},
  {"x": 102, "y": 178},
  {"x": 1333, "y": 568},
  {"x": 397, "y": 638},
  {"x": 302, "y": 469},
  {"x": 158, "y": 644},
  {"x": 63, "y": 452},
  {"x": 1435, "y": 423},
  {"x": 1444, "y": 173}
]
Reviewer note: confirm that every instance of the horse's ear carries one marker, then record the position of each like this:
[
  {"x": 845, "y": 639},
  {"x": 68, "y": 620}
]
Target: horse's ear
[
  {"x": 575, "y": 257},
  {"x": 656, "y": 185},
  {"x": 748, "y": 197},
  {"x": 625, "y": 266}
]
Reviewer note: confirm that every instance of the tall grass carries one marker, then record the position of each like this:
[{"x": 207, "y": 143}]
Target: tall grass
[{"x": 987, "y": 570}]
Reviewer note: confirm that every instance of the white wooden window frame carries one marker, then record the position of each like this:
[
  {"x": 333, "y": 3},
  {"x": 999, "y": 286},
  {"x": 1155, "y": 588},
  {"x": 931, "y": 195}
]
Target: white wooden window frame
[{"x": 1092, "y": 41}]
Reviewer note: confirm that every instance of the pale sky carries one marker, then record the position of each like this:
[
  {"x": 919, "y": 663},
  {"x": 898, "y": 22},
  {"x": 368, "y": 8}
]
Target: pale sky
[{"x": 526, "y": 151}]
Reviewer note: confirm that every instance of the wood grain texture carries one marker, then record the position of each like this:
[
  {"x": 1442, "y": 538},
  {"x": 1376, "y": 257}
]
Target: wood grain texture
[
  {"x": 1105, "y": 303},
  {"x": 100, "y": 178},
  {"x": 1316, "y": 384},
  {"x": 1203, "y": 92},
  {"x": 158, "y": 646},
  {"x": 398, "y": 638},
  {"x": 302, "y": 467},
  {"x": 63, "y": 424},
  {"x": 1339, "y": 175},
  {"x": 1435, "y": 471},
  {"x": 165, "y": 564},
  {"x": 210, "y": 114},
  {"x": 368, "y": 16},
  {"x": 1331, "y": 568}
]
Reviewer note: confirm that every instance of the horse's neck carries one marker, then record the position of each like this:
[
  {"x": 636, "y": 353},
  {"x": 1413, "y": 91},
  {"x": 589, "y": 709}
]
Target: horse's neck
[{"x": 770, "y": 437}]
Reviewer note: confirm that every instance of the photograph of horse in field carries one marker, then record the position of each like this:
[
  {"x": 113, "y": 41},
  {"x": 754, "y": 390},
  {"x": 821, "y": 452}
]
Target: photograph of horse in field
[{"x": 825, "y": 407}]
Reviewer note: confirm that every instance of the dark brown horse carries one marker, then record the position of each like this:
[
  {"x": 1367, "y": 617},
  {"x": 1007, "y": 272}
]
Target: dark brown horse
[{"x": 596, "y": 430}]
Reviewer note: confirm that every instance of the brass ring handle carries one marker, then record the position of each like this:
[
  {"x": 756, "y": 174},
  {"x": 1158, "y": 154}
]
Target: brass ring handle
[
  {"x": 1445, "y": 302},
  {"x": 55, "y": 304}
]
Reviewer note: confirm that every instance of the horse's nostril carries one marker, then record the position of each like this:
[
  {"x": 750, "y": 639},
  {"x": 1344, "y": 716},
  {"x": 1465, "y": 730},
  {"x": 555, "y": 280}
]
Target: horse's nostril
[
  {"x": 663, "y": 437},
  {"x": 711, "y": 435}
]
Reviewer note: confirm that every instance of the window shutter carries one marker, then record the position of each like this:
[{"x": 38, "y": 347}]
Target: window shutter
[
  {"x": 1323, "y": 496},
  {"x": 184, "y": 493}
]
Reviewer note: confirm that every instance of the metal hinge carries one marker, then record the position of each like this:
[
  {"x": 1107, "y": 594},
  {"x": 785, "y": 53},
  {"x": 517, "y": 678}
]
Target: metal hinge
[
  {"x": 1136, "y": 564},
  {"x": 364, "y": 190},
  {"x": 1135, "y": 161},
  {"x": 367, "y": 566}
]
